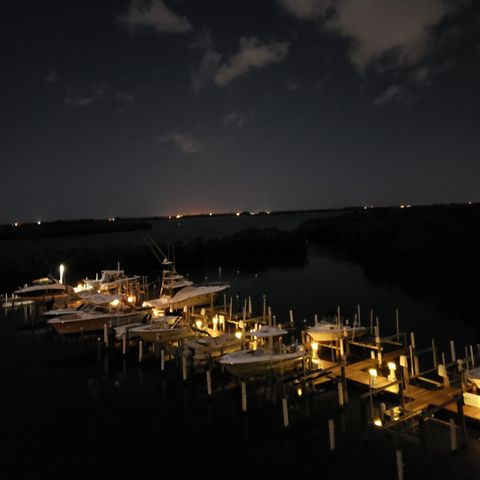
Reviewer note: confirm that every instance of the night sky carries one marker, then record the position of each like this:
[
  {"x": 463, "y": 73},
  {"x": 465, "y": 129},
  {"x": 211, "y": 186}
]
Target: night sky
[{"x": 143, "y": 108}]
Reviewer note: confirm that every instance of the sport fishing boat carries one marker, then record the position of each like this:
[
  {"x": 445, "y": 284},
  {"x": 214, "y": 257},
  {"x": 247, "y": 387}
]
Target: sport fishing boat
[
  {"x": 177, "y": 292},
  {"x": 112, "y": 310},
  {"x": 46, "y": 288},
  {"x": 266, "y": 354},
  {"x": 109, "y": 281}
]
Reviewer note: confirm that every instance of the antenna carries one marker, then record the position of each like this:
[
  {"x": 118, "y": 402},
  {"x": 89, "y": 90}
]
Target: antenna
[{"x": 154, "y": 248}]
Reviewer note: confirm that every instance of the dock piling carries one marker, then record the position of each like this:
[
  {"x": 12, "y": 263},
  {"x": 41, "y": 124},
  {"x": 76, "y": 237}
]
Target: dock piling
[
  {"x": 244, "y": 397},
  {"x": 285, "y": 412},
  {"x": 331, "y": 434},
  {"x": 399, "y": 461}
]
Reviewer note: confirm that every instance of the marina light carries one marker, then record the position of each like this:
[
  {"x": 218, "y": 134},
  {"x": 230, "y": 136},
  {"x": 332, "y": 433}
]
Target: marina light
[
  {"x": 299, "y": 392},
  {"x": 373, "y": 372},
  {"x": 314, "y": 350},
  {"x": 198, "y": 324},
  {"x": 215, "y": 323},
  {"x": 378, "y": 422},
  {"x": 237, "y": 214},
  {"x": 392, "y": 366},
  {"x": 16, "y": 224},
  {"x": 131, "y": 299},
  {"x": 62, "y": 271},
  {"x": 39, "y": 222},
  {"x": 238, "y": 334},
  {"x": 115, "y": 303}
]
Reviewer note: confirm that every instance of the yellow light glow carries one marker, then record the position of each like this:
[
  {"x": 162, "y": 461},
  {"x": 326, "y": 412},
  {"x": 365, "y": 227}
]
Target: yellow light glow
[
  {"x": 178, "y": 216},
  {"x": 115, "y": 303},
  {"x": 315, "y": 346},
  {"x": 215, "y": 323},
  {"x": 299, "y": 392},
  {"x": 238, "y": 334},
  {"x": 198, "y": 324},
  {"x": 373, "y": 372},
  {"x": 392, "y": 366},
  {"x": 130, "y": 299},
  {"x": 377, "y": 422},
  {"x": 237, "y": 214}
]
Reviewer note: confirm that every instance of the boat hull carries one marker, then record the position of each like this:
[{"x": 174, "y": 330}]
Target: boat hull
[
  {"x": 331, "y": 335},
  {"x": 241, "y": 367},
  {"x": 94, "y": 324},
  {"x": 205, "y": 348},
  {"x": 161, "y": 335}
]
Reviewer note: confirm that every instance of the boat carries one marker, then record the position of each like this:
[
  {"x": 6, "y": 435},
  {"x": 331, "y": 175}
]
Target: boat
[
  {"x": 473, "y": 375},
  {"x": 177, "y": 292},
  {"x": 266, "y": 354},
  {"x": 164, "y": 329},
  {"x": 110, "y": 281},
  {"x": 100, "y": 310},
  {"x": 204, "y": 347},
  {"x": 325, "y": 331},
  {"x": 45, "y": 288}
]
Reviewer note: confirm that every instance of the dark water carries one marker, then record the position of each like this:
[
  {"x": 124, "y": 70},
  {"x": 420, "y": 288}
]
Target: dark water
[{"x": 72, "y": 409}]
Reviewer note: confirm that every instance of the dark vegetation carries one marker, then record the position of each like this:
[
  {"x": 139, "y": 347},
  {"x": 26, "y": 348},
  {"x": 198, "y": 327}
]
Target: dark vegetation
[
  {"x": 433, "y": 251},
  {"x": 249, "y": 250}
]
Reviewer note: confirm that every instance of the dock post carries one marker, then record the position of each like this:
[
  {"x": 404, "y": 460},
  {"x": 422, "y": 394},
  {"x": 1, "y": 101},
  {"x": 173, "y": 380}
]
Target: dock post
[
  {"x": 209, "y": 382},
  {"x": 291, "y": 317},
  {"x": 434, "y": 353},
  {"x": 124, "y": 344},
  {"x": 453, "y": 435},
  {"x": 244, "y": 397},
  {"x": 105, "y": 334},
  {"x": 383, "y": 408},
  {"x": 341, "y": 402},
  {"x": 162, "y": 359},
  {"x": 285, "y": 411},
  {"x": 452, "y": 351},
  {"x": 184, "y": 368},
  {"x": 461, "y": 420},
  {"x": 472, "y": 356},
  {"x": 99, "y": 346},
  {"x": 397, "y": 322},
  {"x": 140, "y": 351},
  {"x": 343, "y": 370},
  {"x": 331, "y": 434},
  {"x": 399, "y": 460}
]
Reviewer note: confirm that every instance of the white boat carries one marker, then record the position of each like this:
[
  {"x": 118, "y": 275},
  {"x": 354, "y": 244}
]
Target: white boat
[
  {"x": 473, "y": 375},
  {"x": 168, "y": 328},
  {"x": 46, "y": 288},
  {"x": 268, "y": 354},
  {"x": 325, "y": 331},
  {"x": 100, "y": 310},
  {"x": 177, "y": 292},
  {"x": 110, "y": 280},
  {"x": 204, "y": 347}
]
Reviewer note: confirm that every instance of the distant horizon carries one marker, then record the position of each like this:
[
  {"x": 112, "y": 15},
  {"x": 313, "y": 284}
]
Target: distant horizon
[{"x": 231, "y": 213}]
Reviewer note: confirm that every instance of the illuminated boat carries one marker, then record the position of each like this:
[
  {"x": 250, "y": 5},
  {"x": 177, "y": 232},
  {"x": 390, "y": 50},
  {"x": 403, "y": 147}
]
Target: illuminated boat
[
  {"x": 109, "y": 281},
  {"x": 46, "y": 288},
  {"x": 100, "y": 310},
  {"x": 329, "y": 331},
  {"x": 204, "y": 347},
  {"x": 168, "y": 328},
  {"x": 473, "y": 375},
  {"x": 177, "y": 292},
  {"x": 266, "y": 355}
]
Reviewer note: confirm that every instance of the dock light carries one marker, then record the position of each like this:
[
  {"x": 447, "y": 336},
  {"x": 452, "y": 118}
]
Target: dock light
[
  {"x": 16, "y": 224},
  {"x": 178, "y": 216},
  {"x": 199, "y": 324},
  {"x": 131, "y": 299},
  {"x": 237, "y": 214},
  {"x": 315, "y": 349},
  {"x": 373, "y": 374},
  {"x": 215, "y": 323},
  {"x": 62, "y": 271},
  {"x": 115, "y": 303},
  {"x": 299, "y": 391},
  {"x": 377, "y": 422},
  {"x": 392, "y": 367},
  {"x": 238, "y": 334},
  {"x": 39, "y": 222}
]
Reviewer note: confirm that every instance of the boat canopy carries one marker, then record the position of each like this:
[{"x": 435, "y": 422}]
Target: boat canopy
[{"x": 266, "y": 331}]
